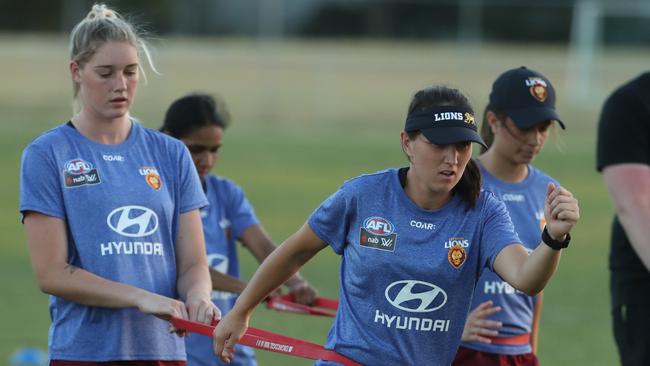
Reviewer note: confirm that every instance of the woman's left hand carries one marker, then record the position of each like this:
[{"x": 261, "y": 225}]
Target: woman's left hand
[
  {"x": 561, "y": 211},
  {"x": 228, "y": 333}
]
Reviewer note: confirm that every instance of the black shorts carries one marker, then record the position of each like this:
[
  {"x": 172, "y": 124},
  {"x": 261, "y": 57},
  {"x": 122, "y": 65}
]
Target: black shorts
[{"x": 632, "y": 333}]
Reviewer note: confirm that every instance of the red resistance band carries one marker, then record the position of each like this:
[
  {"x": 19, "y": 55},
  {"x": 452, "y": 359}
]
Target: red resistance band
[
  {"x": 517, "y": 340},
  {"x": 269, "y": 341},
  {"x": 321, "y": 306}
]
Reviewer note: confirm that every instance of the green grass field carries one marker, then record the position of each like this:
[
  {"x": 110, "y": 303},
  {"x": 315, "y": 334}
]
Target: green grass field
[{"x": 306, "y": 116}]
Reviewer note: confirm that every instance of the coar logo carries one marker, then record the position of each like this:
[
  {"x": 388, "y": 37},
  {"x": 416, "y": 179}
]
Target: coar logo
[
  {"x": 133, "y": 221},
  {"x": 415, "y": 296},
  {"x": 378, "y": 226},
  {"x": 78, "y": 166}
]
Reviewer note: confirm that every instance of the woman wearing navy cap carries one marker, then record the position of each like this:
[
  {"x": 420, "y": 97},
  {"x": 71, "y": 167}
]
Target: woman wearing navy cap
[
  {"x": 413, "y": 243},
  {"x": 516, "y": 124}
]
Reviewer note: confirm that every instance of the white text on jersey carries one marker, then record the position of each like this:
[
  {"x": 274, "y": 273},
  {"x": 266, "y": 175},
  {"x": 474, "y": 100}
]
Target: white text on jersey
[
  {"x": 422, "y": 225},
  {"x": 131, "y": 248}
]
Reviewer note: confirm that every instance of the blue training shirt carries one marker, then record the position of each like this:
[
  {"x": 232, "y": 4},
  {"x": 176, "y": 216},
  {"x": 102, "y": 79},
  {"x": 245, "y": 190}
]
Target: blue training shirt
[
  {"x": 525, "y": 203},
  {"x": 224, "y": 221},
  {"x": 407, "y": 275},
  {"x": 121, "y": 205}
]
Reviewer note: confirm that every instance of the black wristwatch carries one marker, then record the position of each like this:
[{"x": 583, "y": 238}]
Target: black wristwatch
[{"x": 555, "y": 244}]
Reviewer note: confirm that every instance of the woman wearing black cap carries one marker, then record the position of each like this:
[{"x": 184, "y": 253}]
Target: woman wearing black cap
[
  {"x": 413, "y": 242},
  {"x": 516, "y": 124}
]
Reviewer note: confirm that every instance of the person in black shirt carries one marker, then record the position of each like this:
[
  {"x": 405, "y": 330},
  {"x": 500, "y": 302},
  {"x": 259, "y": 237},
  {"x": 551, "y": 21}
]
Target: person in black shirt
[{"x": 623, "y": 157}]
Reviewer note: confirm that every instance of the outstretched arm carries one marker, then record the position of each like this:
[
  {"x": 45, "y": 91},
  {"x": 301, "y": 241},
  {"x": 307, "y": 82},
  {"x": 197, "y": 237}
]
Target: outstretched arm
[
  {"x": 530, "y": 273},
  {"x": 260, "y": 244},
  {"x": 629, "y": 187},
  {"x": 275, "y": 270}
]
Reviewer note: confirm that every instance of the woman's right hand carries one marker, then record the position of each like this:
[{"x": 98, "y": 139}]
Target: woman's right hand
[
  {"x": 477, "y": 327},
  {"x": 228, "y": 333}
]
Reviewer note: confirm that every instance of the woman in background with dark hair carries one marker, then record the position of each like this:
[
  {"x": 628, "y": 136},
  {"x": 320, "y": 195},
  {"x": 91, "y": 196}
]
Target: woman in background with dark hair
[
  {"x": 413, "y": 243},
  {"x": 199, "y": 121},
  {"x": 516, "y": 123}
]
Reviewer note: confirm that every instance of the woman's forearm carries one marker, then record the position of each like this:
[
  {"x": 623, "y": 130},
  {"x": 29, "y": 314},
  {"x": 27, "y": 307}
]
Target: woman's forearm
[
  {"x": 278, "y": 267},
  {"x": 527, "y": 273}
]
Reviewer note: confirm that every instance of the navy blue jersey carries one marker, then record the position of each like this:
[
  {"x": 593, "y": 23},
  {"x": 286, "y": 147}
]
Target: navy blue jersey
[
  {"x": 407, "y": 274},
  {"x": 121, "y": 205}
]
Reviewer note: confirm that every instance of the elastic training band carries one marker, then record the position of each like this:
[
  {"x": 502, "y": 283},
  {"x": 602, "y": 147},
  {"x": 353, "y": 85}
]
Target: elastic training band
[
  {"x": 269, "y": 341},
  {"x": 322, "y": 306},
  {"x": 517, "y": 340}
]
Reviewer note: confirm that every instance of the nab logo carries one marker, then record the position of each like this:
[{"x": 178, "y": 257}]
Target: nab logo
[
  {"x": 78, "y": 166},
  {"x": 133, "y": 221},
  {"x": 378, "y": 226},
  {"x": 415, "y": 296},
  {"x": 378, "y": 233}
]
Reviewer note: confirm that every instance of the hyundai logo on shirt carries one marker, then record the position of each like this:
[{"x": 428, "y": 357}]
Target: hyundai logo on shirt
[
  {"x": 415, "y": 296},
  {"x": 133, "y": 221}
]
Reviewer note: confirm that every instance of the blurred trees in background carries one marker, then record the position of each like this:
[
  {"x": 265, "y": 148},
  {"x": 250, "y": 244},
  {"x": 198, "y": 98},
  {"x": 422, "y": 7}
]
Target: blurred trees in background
[{"x": 474, "y": 20}]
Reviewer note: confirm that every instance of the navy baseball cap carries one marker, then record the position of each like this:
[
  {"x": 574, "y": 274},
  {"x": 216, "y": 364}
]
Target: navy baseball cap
[
  {"x": 526, "y": 96},
  {"x": 444, "y": 125}
]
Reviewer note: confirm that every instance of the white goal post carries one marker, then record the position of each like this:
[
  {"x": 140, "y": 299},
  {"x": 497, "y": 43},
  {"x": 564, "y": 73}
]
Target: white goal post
[{"x": 586, "y": 40}]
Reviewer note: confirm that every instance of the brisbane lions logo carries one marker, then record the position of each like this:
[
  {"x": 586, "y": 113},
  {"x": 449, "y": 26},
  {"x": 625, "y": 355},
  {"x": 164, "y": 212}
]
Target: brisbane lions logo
[
  {"x": 456, "y": 256},
  {"x": 538, "y": 89}
]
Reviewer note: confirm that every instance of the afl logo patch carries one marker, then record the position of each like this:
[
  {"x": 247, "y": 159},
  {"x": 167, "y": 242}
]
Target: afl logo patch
[
  {"x": 378, "y": 226},
  {"x": 456, "y": 256},
  {"x": 378, "y": 233},
  {"x": 78, "y": 172},
  {"x": 78, "y": 166}
]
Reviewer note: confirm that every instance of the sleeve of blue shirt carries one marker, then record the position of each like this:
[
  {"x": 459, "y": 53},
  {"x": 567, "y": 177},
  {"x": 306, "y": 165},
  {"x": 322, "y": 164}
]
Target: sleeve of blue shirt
[
  {"x": 191, "y": 191},
  {"x": 40, "y": 188},
  {"x": 242, "y": 215},
  {"x": 330, "y": 221},
  {"x": 498, "y": 231}
]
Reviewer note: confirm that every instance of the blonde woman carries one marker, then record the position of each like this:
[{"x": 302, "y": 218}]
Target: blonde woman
[{"x": 111, "y": 213}]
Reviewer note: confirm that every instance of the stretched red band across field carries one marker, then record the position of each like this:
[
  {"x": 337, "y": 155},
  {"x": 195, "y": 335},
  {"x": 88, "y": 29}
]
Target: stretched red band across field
[
  {"x": 322, "y": 305},
  {"x": 269, "y": 341}
]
